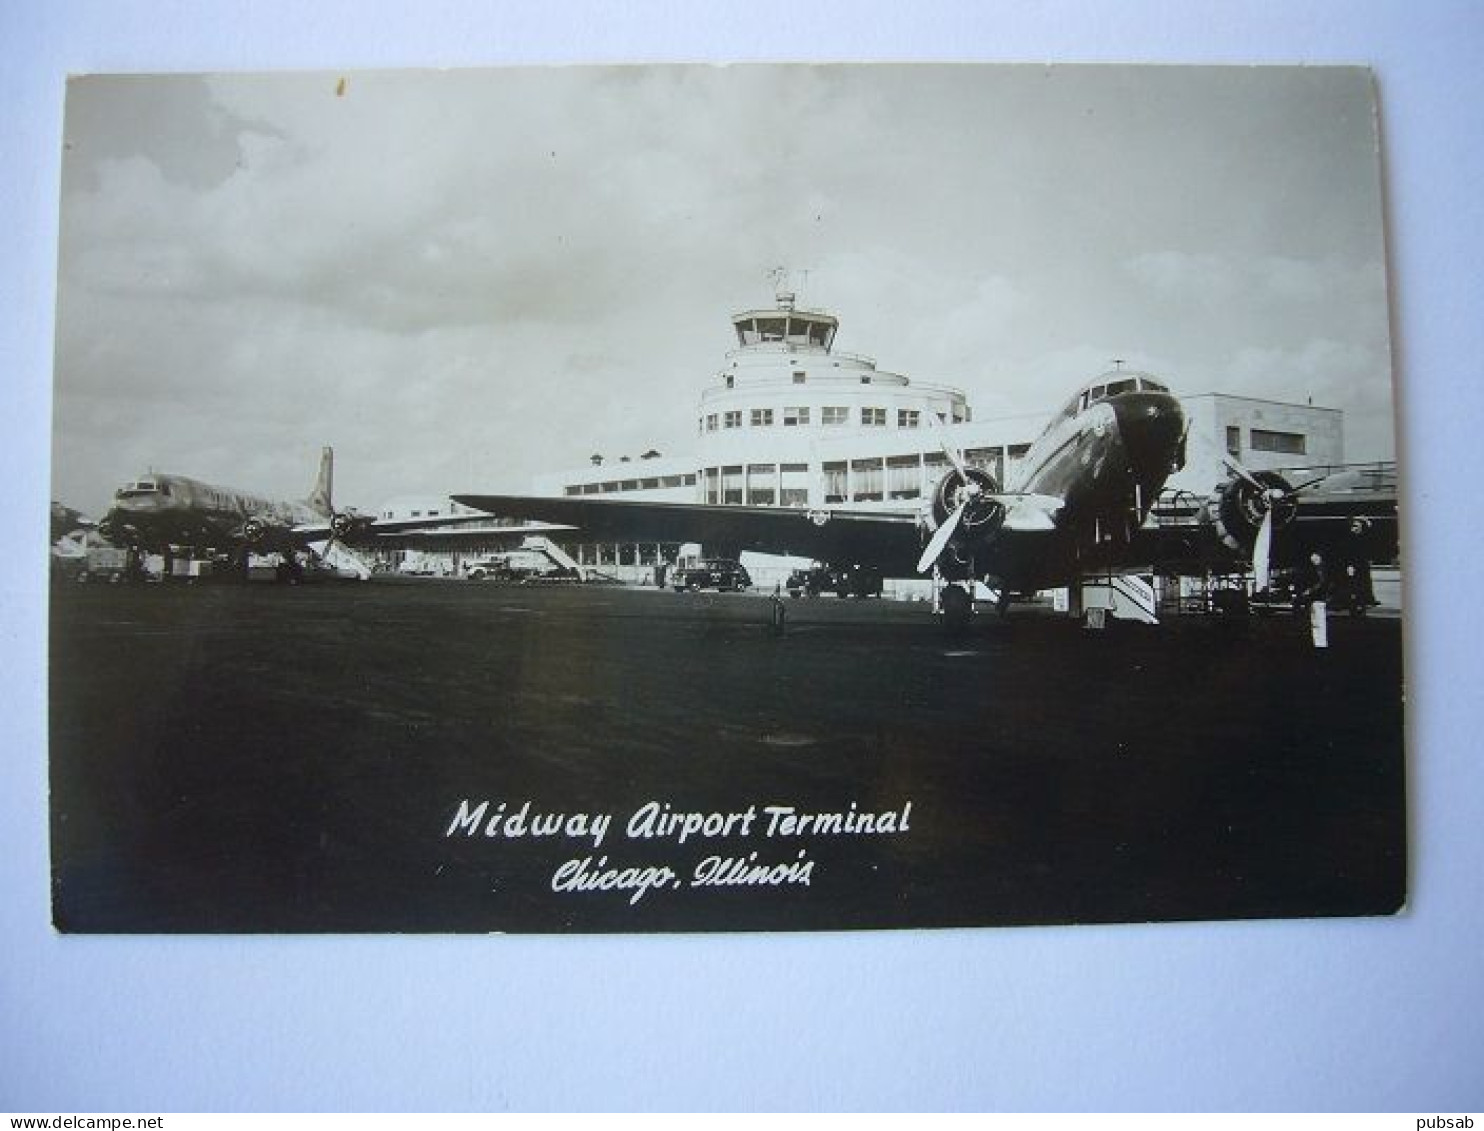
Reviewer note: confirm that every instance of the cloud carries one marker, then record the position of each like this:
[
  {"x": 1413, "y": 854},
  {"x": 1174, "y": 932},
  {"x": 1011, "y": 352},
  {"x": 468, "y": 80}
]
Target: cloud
[{"x": 462, "y": 279}]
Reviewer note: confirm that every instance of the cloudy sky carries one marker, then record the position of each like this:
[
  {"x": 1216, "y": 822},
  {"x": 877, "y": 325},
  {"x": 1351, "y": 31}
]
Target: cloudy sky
[{"x": 459, "y": 279}]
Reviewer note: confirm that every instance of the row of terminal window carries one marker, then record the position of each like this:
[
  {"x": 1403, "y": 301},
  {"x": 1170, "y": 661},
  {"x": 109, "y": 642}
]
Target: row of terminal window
[
  {"x": 801, "y": 417},
  {"x": 873, "y": 479},
  {"x": 609, "y": 486}
]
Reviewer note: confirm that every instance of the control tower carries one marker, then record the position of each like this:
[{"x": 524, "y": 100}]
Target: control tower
[{"x": 787, "y": 400}]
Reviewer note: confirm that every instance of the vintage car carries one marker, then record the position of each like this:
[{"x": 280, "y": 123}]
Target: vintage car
[
  {"x": 711, "y": 573},
  {"x": 843, "y": 581}
]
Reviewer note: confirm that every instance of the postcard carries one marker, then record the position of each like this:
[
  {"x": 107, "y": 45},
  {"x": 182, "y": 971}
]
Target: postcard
[{"x": 723, "y": 498}]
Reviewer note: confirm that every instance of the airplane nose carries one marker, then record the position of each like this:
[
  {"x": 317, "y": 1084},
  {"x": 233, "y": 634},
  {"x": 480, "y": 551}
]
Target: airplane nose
[{"x": 1152, "y": 426}]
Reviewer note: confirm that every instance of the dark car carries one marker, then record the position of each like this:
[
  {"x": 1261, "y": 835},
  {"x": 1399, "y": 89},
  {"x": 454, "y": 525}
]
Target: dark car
[
  {"x": 712, "y": 573},
  {"x": 843, "y": 581}
]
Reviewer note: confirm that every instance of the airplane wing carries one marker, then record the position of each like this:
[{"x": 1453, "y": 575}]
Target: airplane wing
[
  {"x": 477, "y": 536},
  {"x": 886, "y": 540},
  {"x": 1186, "y": 533},
  {"x": 446, "y": 532}
]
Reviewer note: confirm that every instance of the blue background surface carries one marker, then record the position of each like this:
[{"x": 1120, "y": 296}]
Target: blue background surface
[{"x": 1372, "y": 1014}]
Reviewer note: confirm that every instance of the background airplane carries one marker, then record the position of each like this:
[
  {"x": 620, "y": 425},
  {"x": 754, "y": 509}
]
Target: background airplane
[
  {"x": 175, "y": 514},
  {"x": 1080, "y": 503}
]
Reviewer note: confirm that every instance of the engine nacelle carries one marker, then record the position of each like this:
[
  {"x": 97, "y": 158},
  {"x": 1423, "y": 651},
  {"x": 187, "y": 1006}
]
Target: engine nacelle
[
  {"x": 1241, "y": 505},
  {"x": 983, "y": 513},
  {"x": 253, "y": 530}
]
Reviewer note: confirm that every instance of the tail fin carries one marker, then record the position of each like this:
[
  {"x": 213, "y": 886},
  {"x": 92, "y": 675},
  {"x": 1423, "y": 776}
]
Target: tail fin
[{"x": 321, "y": 498}]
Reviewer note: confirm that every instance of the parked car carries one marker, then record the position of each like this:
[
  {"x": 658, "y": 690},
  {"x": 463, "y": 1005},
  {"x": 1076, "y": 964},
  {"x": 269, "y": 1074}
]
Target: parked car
[
  {"x": 712, "y": 573},
  {"x": 843, "y": 581}
]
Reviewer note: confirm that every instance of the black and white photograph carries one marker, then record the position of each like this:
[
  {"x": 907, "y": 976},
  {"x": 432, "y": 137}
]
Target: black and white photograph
[{"x": 693, "y": 498}]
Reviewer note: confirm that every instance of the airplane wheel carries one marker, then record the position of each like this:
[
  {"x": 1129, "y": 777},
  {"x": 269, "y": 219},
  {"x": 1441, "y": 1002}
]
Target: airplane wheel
[{"x": 958, "y": 608}]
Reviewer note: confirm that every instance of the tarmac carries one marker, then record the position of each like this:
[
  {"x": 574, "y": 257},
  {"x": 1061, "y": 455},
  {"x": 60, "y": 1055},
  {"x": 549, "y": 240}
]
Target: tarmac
[{"x": 263, "y": 758}]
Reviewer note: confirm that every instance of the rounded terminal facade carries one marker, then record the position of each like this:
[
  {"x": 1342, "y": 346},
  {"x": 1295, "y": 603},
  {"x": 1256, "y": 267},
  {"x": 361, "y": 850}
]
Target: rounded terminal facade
[{"x": 783, "y": 422}]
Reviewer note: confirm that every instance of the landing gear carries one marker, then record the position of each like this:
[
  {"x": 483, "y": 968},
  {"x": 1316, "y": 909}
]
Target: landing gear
[
  {"x": 290, "y": 571},
  {"x": 1002, "y": 605},
  {"x": 957, "y": 607}
]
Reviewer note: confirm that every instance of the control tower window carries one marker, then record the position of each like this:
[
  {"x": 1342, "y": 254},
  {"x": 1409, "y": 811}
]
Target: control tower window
[
  {"x": 762, "y": 417},
  {"x": 747, "y": 333},
  {"x": 772, "y": 329},
  {"x": 907, "y": 418},
  {"x": 732, "y": 419},
  {"x": 873, "y": 417},
  {"x": 834, "y": 414}
]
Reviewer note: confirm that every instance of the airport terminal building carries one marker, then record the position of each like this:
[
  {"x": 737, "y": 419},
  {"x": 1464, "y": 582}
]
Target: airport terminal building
[{"x": 791, "y": 421}]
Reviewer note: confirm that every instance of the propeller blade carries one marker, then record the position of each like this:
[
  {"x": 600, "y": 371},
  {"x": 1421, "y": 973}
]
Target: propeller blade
[
  {"x": 1261, "y": 551},
  {"x": 1242, "y": 473},
  {"x": 954, "y": 457},
  {"x": 940, "y": 539}
]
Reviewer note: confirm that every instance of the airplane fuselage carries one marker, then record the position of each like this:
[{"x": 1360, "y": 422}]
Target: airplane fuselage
[
  {"x": 161, "y": 511},
  {"x": 1106, "y": 459}
]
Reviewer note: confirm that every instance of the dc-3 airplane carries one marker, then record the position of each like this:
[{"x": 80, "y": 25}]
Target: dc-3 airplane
[
  {"x": 1079, "y": 505},
  {"x": 168, "y": 514}
]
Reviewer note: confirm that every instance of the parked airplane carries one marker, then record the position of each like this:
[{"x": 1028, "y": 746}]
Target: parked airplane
[
  {"x": 168, "y": 513},
  {"x": 1079, "y": 504}
]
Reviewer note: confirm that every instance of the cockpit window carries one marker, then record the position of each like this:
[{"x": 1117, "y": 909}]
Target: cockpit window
[
  {"x": 1123, "y": 387},
  {"x": 1152, "y": 386}
]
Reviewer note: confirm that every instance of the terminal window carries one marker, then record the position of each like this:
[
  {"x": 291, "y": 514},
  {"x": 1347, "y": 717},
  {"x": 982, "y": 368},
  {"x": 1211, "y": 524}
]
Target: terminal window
[
  {"x": 732, "y": 419},
  {"x": 1287, "y": 443},
  {"x": 731, "y": 484},
  {"x": 834, "y": 481},
  {"x": 866, "y": 479},
  {"x": 903, "y": 477},
  {"x": 987, "y": 458},
  {"x": 795, "y": 417},
  {"x": 1233, "y": 440},
  {"x": 873, "y": 417},
  {"x": 835, "y": 414},
  {"x": 794, "y": 490},
  {"x": 762, "y": 417},
  {"x": 762, "y": 481},
  {"x": 798, "y": 376},
  {"x": 711, "y": 422},
  {"x": 907, "y": 418}
]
